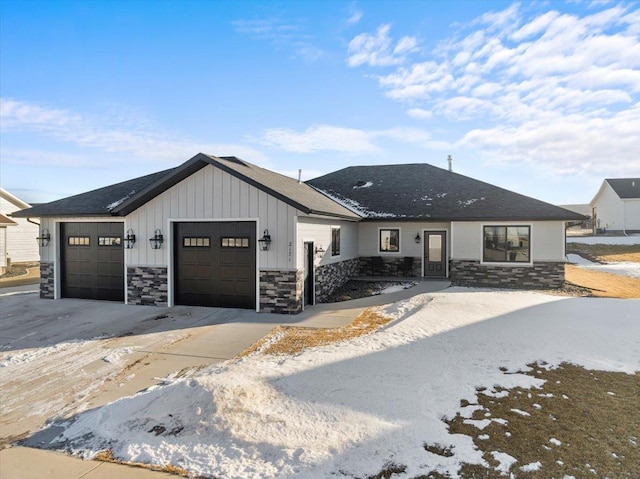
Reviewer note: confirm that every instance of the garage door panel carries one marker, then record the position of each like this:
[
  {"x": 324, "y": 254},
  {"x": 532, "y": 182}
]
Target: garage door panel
[
  {"x": 206, "y": 264},
  {"x": 91, "y": 270}
]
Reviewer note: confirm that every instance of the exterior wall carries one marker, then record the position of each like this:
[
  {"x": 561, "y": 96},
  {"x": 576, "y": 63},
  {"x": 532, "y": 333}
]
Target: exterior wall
[
  {"x": 547, "y": 240},
  {"x": 281, "y": 291},
  {"x": 318, "y": 230},
  {"x": 609, "y": 209},
  {"x": 408, "y": 230},
  {"x": 209, "y": 195},
  {"x": 147, "y": 285},
  {"x": 21, "y": 245},
  {"x": 47, "y": 282},
  {"x": 632, "y": 215},
  {"x": 541, "y": 275},
  {"x": 331, "y": 276},
  {"x": 391, "y": 266},
  {"x": 3, "y": 249}
]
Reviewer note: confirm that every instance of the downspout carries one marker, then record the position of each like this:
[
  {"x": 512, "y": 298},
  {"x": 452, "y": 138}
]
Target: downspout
[{"x": 32, "y": 222}]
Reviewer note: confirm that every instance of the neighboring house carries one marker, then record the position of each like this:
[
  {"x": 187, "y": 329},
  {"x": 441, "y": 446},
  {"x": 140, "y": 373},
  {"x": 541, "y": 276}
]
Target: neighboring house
[
  {"x": 616, "y": 206},
  {"x": 20, "y": 244},
  {"x": 582, "y": 209},
  {"x": 4, "y": 222},
  {"x": 237, "y": 235}
]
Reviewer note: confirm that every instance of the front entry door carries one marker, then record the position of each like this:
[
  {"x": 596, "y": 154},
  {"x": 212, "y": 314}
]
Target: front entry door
[
  {"x": 308, "y": 273},
  {"x": 435, "y": 254}
]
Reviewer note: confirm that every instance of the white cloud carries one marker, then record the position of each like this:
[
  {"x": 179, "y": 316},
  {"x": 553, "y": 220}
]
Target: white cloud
[
  {"x": 378, "y": 49},
  {"x": 320, "y": 138},
  {"x": 289, "y": 33},
  {"x": 543, "y": 83},
  {"x": 354, "y": 18},
  {"x": 120, "y": 137},
  {"x": 345, "y": 140}
]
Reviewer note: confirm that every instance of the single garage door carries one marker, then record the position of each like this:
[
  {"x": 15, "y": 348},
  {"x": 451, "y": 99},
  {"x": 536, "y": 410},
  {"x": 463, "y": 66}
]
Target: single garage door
[
  {"x": 92, "y": 261},
  {"x": 215, "y": 264}
]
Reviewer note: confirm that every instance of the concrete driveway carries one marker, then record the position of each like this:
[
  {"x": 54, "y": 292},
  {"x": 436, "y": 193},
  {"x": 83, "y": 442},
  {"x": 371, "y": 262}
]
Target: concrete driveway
[{"x": 58, "y": 358}]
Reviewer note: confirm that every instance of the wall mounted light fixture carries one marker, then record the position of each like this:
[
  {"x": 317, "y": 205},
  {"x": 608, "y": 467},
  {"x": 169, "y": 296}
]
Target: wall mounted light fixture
[
  {"x": 157, "y": 240},
  {"x": 265, "y": 241},
  {"x": 319, "y": 249},
  {"x": 417, "y": 238},
  {"x": 130, "y": 239},
  {"x": 44, "y": 238}
]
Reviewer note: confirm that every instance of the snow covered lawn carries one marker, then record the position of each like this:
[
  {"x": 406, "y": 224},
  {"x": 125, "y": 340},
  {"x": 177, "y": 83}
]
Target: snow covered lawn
[
  {"x": 624, "y": 268},
  {"x": 354, "y": 408}
]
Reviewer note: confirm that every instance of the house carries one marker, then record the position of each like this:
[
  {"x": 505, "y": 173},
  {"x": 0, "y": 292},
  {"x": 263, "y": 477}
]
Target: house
[
  {"x": 4, "y": 262},
  {"x": 17, "y": 235},
  {"x": 219, "y": 231},
  {"x": 616, "y": 206}
]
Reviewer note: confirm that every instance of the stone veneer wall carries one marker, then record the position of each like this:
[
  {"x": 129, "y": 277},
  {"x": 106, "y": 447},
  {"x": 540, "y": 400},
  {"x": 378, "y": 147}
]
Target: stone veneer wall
[
  {"x": 538, "y": 276},
  {"x": 332, "y": 276},
  {"x": 147, "y": 285},
  {"x": 391, "y": 266},
  {"x": 281, "y": 291},
  {"x": 47, "y": 281}
]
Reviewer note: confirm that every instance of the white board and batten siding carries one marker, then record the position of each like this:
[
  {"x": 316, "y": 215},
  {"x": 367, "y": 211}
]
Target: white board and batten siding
[
  {"x": 318, "y": 230},
  {"x": 21, "y": 245},
  {"x": 547, "y": 239},
  {"x": 212, "y": 195},
  {"x": 369, "y": 234}
]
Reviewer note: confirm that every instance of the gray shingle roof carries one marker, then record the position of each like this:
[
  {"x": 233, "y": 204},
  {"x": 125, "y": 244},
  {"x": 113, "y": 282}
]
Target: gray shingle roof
[
  {"x": 98, "y": 202},
  {"x": 123, "y": 198},
  {"x": 422, "y": 192},
  {"x": 625, "y": 188}
]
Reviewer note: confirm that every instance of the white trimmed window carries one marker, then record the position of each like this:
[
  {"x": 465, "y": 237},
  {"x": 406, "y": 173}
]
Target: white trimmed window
[{"x": 335, "y": 241}]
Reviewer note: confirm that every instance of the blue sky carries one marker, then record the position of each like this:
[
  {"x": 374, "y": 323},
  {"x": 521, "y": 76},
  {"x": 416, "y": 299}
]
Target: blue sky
[{"x": 542, "y": 98}]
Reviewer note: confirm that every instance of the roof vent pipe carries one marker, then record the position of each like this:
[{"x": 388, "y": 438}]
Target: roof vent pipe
[
  {"x": 299, "y": 176},
  {"x": 450, "y": 160}
]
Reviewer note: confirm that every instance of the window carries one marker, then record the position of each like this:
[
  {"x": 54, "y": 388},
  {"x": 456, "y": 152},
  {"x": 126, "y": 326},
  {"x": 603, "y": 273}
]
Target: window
[
  {"x": 196, "y": 241},
  {"x": 234, "y": 242},
  {"x": 506, "y": 244},
  {"x": 335, "y": 241},
  {"x": 389, "y": 240},
  {"x": 78, "y": 241},
  {"x": 109, "y": 241}
]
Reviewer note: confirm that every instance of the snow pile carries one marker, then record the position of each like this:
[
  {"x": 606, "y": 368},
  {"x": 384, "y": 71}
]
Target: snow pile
[
  {"x": 624, "y": 268},
  {"x": 347, "y": 409},
  {"x": 631, "y": 239}
]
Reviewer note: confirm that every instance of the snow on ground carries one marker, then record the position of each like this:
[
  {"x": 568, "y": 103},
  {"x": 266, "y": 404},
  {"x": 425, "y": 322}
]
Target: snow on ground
[
  {"x": 349, "y": 408},
  {"x": 624, "y": 268},
  {"x": 631, "y": 239}
]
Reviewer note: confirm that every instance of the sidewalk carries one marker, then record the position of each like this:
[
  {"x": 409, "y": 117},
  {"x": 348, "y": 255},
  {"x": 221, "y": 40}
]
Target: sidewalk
[{"x": 212, "y": 344}]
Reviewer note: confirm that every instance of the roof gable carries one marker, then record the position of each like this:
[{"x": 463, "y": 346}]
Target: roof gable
[
  {"x": 419, "y": 192},
  {"x": 124, "y": 198},
  {"x": 625, "y": 188},
  {"x": 13, "y": 199}
]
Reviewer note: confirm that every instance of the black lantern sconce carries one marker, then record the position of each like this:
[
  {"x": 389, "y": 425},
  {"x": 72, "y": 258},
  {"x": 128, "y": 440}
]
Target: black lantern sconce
[
  {"x": 130, "y": 239},
  {"x": 320, "y": 250},
  {"x": 265, "y": 241},
  {"x": 44, "y": 238},
  {"x": 157, "y": 240},
  {"x": 417, "y": 238}
]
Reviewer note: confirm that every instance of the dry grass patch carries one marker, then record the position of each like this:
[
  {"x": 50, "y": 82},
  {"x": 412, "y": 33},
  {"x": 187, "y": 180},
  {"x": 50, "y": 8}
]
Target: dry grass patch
[
  {"x": 285, "y": 340},
  {"x": 581, "y": 423},
  {"x": 606, "y": 253},
  {"x": 603, "y": 284},
  {"x": 107, "y": 456}
]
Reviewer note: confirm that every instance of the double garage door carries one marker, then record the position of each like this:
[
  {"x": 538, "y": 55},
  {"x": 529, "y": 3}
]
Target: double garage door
[{"x": 214, "y": 262}]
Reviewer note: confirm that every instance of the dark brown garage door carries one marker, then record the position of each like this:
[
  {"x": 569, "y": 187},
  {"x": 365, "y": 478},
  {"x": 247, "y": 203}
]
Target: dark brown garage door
[
  {"x": 92, "y": 261},
  {"x": 215, "y": 264}
]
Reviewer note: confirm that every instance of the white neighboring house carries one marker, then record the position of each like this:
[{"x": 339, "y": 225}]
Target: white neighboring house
[
  {"x": 4, "y": 223},
  {"x": 616, "y": 206},
  {"x": 17, "y": 241}
]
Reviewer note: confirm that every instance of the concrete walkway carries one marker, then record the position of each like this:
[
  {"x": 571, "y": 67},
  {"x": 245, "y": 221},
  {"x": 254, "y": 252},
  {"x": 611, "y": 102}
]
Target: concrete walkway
[{"x": 209, "y": 336}]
